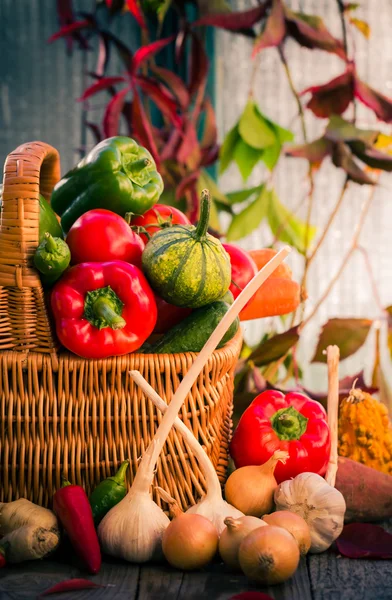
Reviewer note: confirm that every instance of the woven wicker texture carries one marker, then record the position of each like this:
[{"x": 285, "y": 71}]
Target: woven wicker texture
[{"x": 63, "y": 415}]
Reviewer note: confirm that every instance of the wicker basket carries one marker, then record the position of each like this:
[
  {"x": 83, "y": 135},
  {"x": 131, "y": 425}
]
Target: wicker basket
[{"x": 63, "y": 415}]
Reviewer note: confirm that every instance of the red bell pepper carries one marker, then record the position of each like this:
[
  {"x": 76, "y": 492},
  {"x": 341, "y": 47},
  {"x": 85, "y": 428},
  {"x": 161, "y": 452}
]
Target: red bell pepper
[
  {"x": 290, "y": 422},
  {"x": 103, "y": 309},
  {"x": 3, "y": 554},
  {"x": 72, "y": 507},
  {"x": 243, "y": 268}
]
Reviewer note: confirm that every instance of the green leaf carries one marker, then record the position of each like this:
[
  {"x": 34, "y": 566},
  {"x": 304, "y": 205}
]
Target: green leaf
[
  {"x": 226, "y": 153},
  {"x": 348, "y": 334},
  {"x": 250, "y": 218},
  {"x": 284, "y": 135},
  {"x": 255, "y": 129},
  {"x": 246, "y": 158},
  {"x": 286, "y": 226},
  {"x": 206, "y": 181},
  {"x": 274, "y": 348},
  {"x": 162, "y": 10},
  {"x": 242, "y": 195},
  {"x": 271, "y": 156}
]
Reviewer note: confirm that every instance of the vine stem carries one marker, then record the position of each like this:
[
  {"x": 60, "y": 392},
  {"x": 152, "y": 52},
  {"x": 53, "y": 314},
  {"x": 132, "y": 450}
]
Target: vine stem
[
  {"x": 329, "y": 222},
  {"x": 294, "y": 92},
  {"x": 352, "y": 248},
  {"x": 372, "y": 279}
]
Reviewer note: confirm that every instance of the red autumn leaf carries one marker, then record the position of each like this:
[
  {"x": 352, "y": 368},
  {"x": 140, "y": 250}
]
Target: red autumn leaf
[
  {"x": 311, "y": 32},
  {"x": 102, "y": 84},
  {"x": 66, "y": 17},
  {"x": 342, "y": 157},
  {"x": 377, "y": 102},
  {"x": 234, "y": 21},
  {"x": 111, "y": 118},
  {"x": 123, "y": 51},
  {"x": 103, "y": 56},
  {"x": 186, "y": 183},
  {"x": 198, "y": 69},
  {"x": 363, "y": 540},
  {"x": 174, "y": 83},
  {"x": 314, "y": 152},
  {"x": 134, "y": 9},
  {"x": 193, "y": 202},
  {"x": 145, "y": 52},
  {"x": 332, "y": 97},
  {"x": 209, "y": 155},
  {"x": 274, "y": 31},
  {"x": 210, "y": 133},
  {"x": 94, "y": 130},
  {"x": 161, "y": 97},
  {"x": 141, "y": 127},
  {"x": 251, "y": 596},
  {"x": 189, "y": 151},
  {"x": 170, "y": 149},
  {"x": 69, "y": 29},
  {"x": 181, "y": 39}
]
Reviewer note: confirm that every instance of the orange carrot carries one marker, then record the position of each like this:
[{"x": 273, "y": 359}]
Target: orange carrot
[
  {"x": 263, "y": 255},
  {"x": 277, "y": 296}
]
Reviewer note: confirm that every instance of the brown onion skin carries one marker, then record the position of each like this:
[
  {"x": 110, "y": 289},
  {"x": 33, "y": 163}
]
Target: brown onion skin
[
  {"x": 190, "y": 542},
  {"x": 230, "y": 540},
  {"x": 269, "y": 555},
  {"x": 294, "y": 524}
]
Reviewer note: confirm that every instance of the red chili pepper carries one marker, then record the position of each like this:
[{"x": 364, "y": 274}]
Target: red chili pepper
[
  {"x": 293, "y": 423},
  {"x": 103, "y": 309},
  {"x": 3, "y": 554},
  {"x": 70, "y": 585},
  {"x": 72, "y": 507}
]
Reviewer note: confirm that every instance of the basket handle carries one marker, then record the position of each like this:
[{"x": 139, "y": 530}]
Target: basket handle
[{"x": 31, "y": 169}]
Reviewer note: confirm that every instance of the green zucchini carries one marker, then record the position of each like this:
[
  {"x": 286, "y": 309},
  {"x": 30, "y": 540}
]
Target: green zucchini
[{"x": 193, "y": 332}]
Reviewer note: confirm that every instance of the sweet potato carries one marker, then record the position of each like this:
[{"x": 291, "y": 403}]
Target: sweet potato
[
  {"x": 277, "y": 296},
  {"x": 367, "y": 492},
  {"x": 264, "y": 255}
]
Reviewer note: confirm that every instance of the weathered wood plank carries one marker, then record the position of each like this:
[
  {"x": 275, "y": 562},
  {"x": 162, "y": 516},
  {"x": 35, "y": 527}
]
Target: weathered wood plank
[
  {"x": 159, "y": 582},
  {"x": 219, "y": 584}
]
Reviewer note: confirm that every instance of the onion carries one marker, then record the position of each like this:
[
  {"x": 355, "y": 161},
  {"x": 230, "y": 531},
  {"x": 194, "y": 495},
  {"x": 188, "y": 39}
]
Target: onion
[
  {"x": 251, "y": 489},
  {"x": 294, "y": 524},
  {"x": 269, "y": 555},
  {"x": 232, "y": 535},
  {"x": 190, "y": 542}
]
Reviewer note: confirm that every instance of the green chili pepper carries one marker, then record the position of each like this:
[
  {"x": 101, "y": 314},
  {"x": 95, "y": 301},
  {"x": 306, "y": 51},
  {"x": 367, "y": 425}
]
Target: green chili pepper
[
  {"x": 51, "y": 258},
  {"x": 108, "y": 493}
]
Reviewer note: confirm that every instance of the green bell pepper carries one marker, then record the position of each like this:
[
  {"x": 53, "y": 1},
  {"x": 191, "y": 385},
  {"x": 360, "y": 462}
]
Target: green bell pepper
[{"x": 117, "y": 174}]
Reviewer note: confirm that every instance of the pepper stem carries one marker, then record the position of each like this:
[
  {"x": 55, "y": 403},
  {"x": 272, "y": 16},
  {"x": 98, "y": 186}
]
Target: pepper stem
[
  {"x": 65, "y": 482},
  {"x": 137, "y": 166},
  {"x": 205, "y": 205},
  {"x": 50, "y": 244},
  {"x": 119, "y": 477},
  {"x": 289, "y": 424},
  {"x": 103, "y": 309}
]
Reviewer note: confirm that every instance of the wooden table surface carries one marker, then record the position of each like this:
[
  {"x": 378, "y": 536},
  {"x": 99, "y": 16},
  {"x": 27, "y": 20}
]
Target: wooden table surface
[{"x": 319, "y": 577}]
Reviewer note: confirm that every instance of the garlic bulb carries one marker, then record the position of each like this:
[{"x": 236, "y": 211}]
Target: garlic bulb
[
  {"x": 321, "y": 505},
  {"x": 133, "y": 529},
  {"x": 212, "y": 506}
]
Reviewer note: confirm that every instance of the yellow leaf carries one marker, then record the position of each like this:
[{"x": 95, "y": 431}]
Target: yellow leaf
[{"x": 362, "y": 26}]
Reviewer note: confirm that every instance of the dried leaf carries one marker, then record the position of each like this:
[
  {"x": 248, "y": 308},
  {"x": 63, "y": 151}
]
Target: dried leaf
[
  {"x": 250, "y": 218},
  {"x": 348, "y": 334},
  {"x": 67, "y": 30},
  {"x": 234, "y": 21},
  {"x": 226, "y": 154},
  {"x": 135, "y": 10},
  {"x": 287, "y": 227},
  {"x": 174, "y": 83},
  {"x": 377, "y": 102},
  {"x": 243, "y": 195},
  {"x": 362, "y": 26},
  {"x": 246, "y": 158},
  {"x": 351, "y": 6},
  {"x": 314, "y": 152},
  {"x": 345, "y": 385},
  {"x": 339, "y": 130},
  {"x": 111, "y": 119},
  {"x": 311, "y": 32},
  {"x": 332, "y": 97},
  {"x": 389, "y": 312},
  {"x": 274, "y": 31},
  {"x": 342, "y": 157},
  {"x": 372, "y": 157},
  {"x": 99, "y": 86},
  {"x": 275, "y": 347},
  {"x": 363, "y": 540},
  {"x": 146, "y": 52},
  {"x": 254, "y": 129},
  {"x": 161, "y": 97}
]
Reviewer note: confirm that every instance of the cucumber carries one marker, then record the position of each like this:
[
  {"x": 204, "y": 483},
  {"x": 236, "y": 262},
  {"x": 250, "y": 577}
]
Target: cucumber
[{"x": 193, "y": 332}]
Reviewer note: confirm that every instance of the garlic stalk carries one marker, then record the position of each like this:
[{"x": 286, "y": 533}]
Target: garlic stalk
[
  {"x": 133, "y": 528},
  {"x": 212, "y": 506}
]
